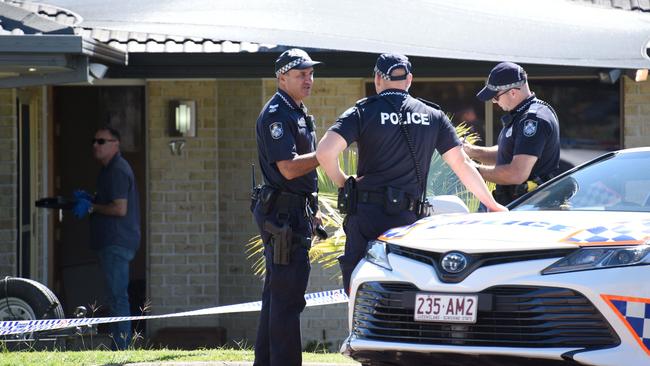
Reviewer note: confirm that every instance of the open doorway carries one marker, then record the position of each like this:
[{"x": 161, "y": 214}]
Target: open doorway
[{"x": 78, "y": 112}]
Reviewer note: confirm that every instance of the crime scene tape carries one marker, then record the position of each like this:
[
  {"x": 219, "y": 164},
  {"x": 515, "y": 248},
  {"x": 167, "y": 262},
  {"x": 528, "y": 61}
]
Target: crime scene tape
[{"x": 27, "y": 326}]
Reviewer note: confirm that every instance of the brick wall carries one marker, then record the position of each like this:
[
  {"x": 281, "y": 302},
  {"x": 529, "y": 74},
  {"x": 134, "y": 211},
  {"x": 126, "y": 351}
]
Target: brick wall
[
  {"x": 182, "y": 206},
  {"x": 8, "y": 176},
  {"x": 8, "y": 145},
  {"x": 636, "y": 105},
  {"x": 239, "y": 104}
]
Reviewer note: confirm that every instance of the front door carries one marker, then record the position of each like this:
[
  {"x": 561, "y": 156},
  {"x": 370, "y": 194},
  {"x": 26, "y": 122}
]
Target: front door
[{"x": 77, "y": 113}]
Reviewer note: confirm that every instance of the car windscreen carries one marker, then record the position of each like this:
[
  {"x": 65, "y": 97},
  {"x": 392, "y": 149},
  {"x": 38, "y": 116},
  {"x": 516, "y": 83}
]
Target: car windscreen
[{"x": 618, "y": 183}]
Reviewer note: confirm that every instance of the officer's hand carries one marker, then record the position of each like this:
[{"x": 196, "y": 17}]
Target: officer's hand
[
  {"x": 81, "y": 208},
  {"x": 497, "y": 208},
  {"x": 79, "y": 193},
  {"x": 467, "y": 147},
  {"x": 317, "y": 219}
]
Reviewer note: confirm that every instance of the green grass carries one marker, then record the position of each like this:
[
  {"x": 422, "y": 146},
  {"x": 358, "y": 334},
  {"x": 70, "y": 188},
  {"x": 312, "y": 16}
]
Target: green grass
[{"x": 79, "y": 358}]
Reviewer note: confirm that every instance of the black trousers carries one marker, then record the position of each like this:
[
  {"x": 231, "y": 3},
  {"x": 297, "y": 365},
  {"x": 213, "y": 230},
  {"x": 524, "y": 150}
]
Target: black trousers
[
  {"x": 366, "y": 224},
  {"x": 278, "y": 339}
]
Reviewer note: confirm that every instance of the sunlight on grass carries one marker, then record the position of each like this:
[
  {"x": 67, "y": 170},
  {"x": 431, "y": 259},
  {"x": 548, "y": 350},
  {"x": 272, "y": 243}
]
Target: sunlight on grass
[{"x": 79, "y": 358}]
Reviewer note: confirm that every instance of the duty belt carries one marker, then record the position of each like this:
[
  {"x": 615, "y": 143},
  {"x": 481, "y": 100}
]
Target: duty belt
[
  {"x": 291, "y": 200},
  {"x": 379, "y": 198}
]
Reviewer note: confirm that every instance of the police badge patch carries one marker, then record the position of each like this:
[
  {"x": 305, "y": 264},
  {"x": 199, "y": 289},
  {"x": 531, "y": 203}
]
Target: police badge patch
[
  {"x": 276, "y": 130},
  {"x": 530, "y": 127}
]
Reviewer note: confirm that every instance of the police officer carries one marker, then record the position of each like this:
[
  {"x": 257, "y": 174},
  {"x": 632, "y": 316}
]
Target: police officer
[
  {"x": 286, "y": 143},
  {"x": 528, "y": 149},
  {"x": 396, "y": 135}
]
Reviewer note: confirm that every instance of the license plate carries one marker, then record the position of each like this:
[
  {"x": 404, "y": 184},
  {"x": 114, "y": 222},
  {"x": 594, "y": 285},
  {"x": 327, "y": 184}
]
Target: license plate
[{"x": 445, "y": 308}]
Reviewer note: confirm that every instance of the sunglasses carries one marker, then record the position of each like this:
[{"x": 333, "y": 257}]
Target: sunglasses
[
  {"x": 496, "y": 97},
  {"x": 102, "y": 141}
]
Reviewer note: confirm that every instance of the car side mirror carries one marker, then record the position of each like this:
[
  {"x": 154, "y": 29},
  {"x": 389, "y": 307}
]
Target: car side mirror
[{"x": 447, "y": 204}]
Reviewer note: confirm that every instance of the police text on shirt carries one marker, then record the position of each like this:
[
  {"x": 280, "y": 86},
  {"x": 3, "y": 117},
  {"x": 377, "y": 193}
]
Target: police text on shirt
[{"x": 411, "y": 118}]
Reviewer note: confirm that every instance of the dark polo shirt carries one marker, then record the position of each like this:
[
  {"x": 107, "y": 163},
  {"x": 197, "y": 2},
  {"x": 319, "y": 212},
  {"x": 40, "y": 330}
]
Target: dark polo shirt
[{"x": 116, "y": 181}]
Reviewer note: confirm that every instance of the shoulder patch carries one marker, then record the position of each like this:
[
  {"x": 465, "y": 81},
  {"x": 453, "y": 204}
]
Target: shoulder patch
[
  {"x": 530, "y": 127},
  {"x": 429, "y": 103},
  {"x": 276, "y": 130},
  {"x": 366, "y": 100},
  {"x": 273, "y": 108}
]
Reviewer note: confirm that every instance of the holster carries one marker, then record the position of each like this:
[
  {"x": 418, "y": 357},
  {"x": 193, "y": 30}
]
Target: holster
[
  {"x": 281, "y": 241},
  {"x": 347, "y": 197},
  {"x": 503, "y": 194},
  {"x": 267, "y": 197},
  {"x": 506, "y": 194}
]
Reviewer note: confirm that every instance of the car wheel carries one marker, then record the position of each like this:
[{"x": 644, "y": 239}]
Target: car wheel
[{"x": 23, "y": 299}]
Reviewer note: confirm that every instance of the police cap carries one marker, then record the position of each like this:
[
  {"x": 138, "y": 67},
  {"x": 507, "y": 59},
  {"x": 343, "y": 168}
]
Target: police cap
[
  {"x": 504, "y": 76},
  {"x": 294, "y": 58},
  {"x": 388, "y": 62}
]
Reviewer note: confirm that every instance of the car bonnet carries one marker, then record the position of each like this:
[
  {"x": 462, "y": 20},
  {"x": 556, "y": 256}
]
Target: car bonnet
[{"x": 522, "y": 230}]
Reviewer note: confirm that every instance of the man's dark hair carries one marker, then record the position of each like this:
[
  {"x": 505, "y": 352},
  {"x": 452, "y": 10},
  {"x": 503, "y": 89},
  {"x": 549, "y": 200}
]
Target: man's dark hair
[{"x": 114, "y": 133}]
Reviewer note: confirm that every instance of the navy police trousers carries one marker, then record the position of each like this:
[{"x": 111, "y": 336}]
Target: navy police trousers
[
  {"x": 283, "y": 298},
  {"x": 366, "y": 224}
]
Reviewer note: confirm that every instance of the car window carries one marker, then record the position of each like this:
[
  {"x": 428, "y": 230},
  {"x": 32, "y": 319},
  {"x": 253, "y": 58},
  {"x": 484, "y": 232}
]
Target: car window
[{"x": 618, "y": 183}]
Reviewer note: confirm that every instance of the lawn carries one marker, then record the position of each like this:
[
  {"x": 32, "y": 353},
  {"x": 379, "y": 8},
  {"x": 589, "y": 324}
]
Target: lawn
[{"x": 79, "y": 358}]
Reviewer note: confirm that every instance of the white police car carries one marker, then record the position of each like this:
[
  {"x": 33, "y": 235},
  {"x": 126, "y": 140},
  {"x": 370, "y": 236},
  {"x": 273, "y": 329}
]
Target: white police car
[{"x": 561, "y": 279}]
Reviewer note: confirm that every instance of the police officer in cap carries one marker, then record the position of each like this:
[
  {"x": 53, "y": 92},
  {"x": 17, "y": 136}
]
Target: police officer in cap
[
  {"x": 528, "y": 149},
  {"x": 396, "y": 136},
  {"x": 285, "y": 208}
]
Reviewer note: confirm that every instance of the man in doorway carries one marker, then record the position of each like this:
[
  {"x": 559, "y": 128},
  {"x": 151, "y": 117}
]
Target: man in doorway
[
  {"x": 528, "y": 149},
  {"x": 114, "y": 226}
]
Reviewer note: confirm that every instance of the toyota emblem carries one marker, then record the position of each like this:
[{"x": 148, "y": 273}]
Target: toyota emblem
[{"x": 454, "y": 262}]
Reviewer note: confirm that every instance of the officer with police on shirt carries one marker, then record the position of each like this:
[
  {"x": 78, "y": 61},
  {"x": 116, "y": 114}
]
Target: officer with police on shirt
[
  {"x": 528, "y": 149},
  {"x": 286, "y": 208},
  {"x": 396, "y": 135}
]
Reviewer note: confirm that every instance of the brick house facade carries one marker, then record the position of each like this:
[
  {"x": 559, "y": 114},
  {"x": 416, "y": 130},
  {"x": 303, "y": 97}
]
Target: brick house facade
[{"x": 197, "y": 203}]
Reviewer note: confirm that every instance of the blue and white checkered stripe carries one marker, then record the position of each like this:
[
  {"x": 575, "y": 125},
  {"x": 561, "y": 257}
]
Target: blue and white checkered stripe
[
  {"x": 289, "y": 66},
  {"x": 635, "y": 313},
  {"x": 27, "y": 326},
  {"x": 619, "y": 233}
]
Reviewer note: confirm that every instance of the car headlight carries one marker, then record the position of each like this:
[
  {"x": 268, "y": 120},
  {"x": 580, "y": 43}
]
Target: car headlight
[
  {"x": 601, "y": 257},
  {"x": 377, "y": 254}
]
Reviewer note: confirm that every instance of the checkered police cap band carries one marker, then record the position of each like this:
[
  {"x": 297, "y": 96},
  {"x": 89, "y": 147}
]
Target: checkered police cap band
[
  {"x": 284, "y": 69},
  {"x": 388, "y": 77},
  {"x": 497, "y": 88}
]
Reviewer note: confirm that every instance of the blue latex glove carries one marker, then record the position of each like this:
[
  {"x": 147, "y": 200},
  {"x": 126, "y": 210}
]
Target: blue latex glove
[
  {"x": 79, "y": 193},
  {"x": 81, "y": 208}
]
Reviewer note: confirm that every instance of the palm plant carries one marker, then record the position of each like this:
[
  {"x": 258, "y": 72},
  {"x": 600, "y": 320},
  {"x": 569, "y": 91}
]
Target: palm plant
[{"x": 441, "y": 180}]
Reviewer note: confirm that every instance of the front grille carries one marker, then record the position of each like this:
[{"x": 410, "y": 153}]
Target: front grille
[
  {"x": 508, "y": 316},
  {"x": 475, "y": 261}
]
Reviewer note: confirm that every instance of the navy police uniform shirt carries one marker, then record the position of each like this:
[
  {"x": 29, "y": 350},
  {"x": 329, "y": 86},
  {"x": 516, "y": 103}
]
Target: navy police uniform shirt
[
  {"x": 384, "y": 157},
  {"x": 284, "y": 130},
  {"x": 532, "y": 129}
]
